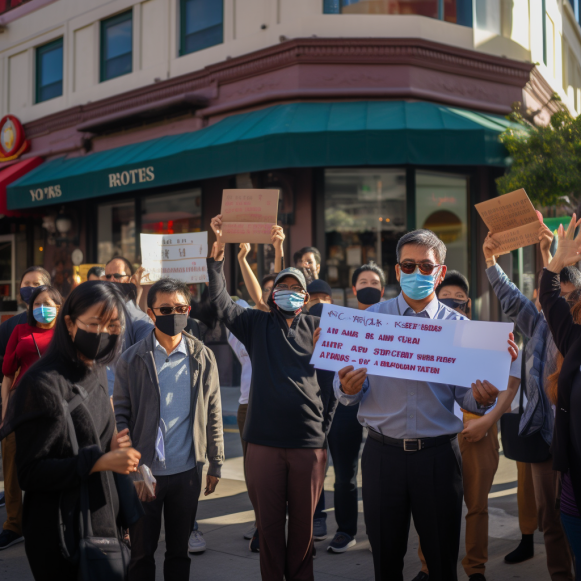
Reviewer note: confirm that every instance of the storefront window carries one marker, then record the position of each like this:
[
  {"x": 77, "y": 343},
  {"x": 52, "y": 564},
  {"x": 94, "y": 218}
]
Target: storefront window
[
  {"x": 442, "y": 206},
  {"x": 116, "y": 231},
  {"x": 365, "y": 215},
  {"x": 456, "y": 11},
  {"x": 175, "y": 213},
  {"x": 7, "y": 265}
]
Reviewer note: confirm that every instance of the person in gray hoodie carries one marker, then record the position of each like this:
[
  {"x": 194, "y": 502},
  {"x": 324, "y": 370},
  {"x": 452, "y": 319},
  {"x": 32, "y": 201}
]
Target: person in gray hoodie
[{"x": 167, "y": 393}]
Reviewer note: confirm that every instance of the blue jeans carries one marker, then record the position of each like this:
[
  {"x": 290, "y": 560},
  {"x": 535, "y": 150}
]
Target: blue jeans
[
  {"x": 572, "y": 526},
  {"x": 345, "y": 439}
]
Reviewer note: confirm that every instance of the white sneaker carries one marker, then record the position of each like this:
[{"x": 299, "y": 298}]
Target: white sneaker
[
  {"x": 249, "y": 533},
  {"x": 197, "y": 543}
]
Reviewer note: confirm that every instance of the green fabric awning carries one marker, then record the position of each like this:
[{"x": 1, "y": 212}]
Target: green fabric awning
[{"x": 367, "y": 133}]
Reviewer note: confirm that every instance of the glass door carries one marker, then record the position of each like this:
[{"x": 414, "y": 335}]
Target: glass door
[{"x": 7, "y": 266}]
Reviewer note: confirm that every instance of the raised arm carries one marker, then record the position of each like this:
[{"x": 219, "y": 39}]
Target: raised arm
[
  {"x": 514, "y": 304},
  {"x": 250, "y": 280},
  {"x": 277, "y": 237},
  {"x": 556, "y": 309}
]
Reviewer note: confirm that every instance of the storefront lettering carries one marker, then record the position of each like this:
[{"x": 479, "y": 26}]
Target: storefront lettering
[
  {"x": 49, "y": 192},
  {"x": 132, "y": 176}
]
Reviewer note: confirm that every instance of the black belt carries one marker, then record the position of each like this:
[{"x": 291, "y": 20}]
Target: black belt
[{"x": 411, "y": 444}]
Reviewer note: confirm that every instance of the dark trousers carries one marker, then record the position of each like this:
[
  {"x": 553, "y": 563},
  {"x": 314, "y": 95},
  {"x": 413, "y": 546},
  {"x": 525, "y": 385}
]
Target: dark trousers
[
  {"x": 344, "y": 443},
  {"x": 277, "y": 477},
  {"x": 426, "y": 485},
  {"x": 572, "y": 526},
  {"x": 177, "y": 496}
]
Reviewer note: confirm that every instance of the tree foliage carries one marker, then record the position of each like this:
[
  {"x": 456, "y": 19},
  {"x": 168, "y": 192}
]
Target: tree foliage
[{"x": 546, "y": 161}]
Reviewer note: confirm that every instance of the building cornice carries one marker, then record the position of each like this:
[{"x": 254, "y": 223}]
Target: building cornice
[{"x": 226, "y": 87}]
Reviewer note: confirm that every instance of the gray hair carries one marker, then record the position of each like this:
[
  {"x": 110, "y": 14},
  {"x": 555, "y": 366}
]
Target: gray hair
[{"x": 424, "y": 238}]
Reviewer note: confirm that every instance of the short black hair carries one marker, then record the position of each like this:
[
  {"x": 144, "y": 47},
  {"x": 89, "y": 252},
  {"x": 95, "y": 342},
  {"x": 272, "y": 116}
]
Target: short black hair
[
  {"x": 96, "y": 271},
  {"x": 297, "y": 257},
  {"x": 571, "y": 274},
  {"x": 312, "y": 249},
  {"x": 454, "y": 278},
  {"x": 425, "y": 238},
  {"x": 369, "y": 267},
  {"x": 127, "y": 263},
  {"x": 52, "y": 293},
  {"x": 46, "y": 279},
  {"x": 168, "y": 285}
]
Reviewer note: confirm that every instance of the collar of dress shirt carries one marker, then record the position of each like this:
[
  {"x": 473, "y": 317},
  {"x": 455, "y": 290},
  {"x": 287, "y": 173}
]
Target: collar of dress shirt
[
  {"x": 431, "y": 309},
  {"x": 181, "y": 348}
]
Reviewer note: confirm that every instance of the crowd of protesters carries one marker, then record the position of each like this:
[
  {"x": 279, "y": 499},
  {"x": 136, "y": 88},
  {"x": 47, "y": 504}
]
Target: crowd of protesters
[{"x": 112, "y": 418}]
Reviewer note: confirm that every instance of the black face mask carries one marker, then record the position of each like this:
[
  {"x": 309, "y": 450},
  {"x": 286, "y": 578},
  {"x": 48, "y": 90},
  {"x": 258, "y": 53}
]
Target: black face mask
[
  {"x": 94, "y": 346},
  {"x": 171, "y": 325},
  {"x": 26, "y": 293},
  {"x": 368, "y": 295},
  {"x": 455, "y": 304}
]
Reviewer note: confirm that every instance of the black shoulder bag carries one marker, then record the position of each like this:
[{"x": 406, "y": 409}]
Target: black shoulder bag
[
  {"x": 99, "y": 558},
  {"x": 530, "y": 449}
]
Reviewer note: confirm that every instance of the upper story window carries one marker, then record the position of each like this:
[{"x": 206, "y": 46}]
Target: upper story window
[
  {"x": 49, "y": 71},
  {"x": 456, "y": 11},
  {"x": 117, "y": 46},
  {"x": 201, "y": 24}
]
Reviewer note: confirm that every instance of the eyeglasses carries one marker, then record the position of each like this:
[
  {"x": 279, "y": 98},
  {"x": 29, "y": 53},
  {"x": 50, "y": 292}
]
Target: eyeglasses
[
  {"x": 180, "y": 310},
  {"x": 297, "y": 288},
  {"x": 111, "y": 328},
  {"x": 425, "y": 267},
  {"x": 116, "y": 276}
]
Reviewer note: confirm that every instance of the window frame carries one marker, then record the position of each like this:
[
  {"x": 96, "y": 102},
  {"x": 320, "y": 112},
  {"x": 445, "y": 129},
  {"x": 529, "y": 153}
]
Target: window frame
[
  {"x": 182, "y": 28},
  {"x": 39, "y": 51},
  {"x": 125, "y": 16}
]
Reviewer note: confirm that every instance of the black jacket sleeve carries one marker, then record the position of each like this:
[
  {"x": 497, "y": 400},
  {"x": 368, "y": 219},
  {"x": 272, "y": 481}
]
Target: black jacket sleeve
[
  {"x": 557, "y": 312},
  {"x": 236, "y": 318}
]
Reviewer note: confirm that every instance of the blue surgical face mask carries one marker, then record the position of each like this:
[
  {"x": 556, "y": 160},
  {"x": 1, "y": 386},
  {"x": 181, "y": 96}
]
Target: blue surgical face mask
[
  {"x": 44, "y": 314},
  {"x": 288, "y": 300},
  {"x": 417, "y": 286}
]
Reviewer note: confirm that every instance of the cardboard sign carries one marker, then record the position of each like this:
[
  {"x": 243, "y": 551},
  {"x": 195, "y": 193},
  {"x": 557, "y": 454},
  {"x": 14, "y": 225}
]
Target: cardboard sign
[
  {"x": 248, "y": 215},
  {"x": 438, "y": 351},
  {"x": 181, "y": 256},
  {"x": 512, "y": 220}
]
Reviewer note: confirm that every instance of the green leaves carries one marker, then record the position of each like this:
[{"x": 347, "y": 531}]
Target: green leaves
[{"x": 546, "y": 161}]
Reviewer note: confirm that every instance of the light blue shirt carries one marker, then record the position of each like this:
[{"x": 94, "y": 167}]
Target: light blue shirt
[
  {"x": 175, "y": 386},
  {"x": 402, "y": 408}
]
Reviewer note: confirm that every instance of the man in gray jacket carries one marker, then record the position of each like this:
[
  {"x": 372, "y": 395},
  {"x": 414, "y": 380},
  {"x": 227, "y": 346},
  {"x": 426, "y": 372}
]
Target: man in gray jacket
[{"x": 168, "y": 394}]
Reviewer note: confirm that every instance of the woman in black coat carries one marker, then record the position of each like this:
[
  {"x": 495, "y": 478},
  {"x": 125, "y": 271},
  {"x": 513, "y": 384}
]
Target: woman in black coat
[
  {"x": 87, "y": 336},
  {"x": 566, "y": 447}
]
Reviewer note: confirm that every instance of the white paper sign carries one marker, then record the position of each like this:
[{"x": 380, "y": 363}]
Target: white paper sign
[
  {"x": 181, "y": 256},
  {"x": 451, "y": 352}
]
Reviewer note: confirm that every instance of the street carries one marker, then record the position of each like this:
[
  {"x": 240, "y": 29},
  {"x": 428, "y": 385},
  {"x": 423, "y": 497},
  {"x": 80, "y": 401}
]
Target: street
[{"x": 227, "y": 514}]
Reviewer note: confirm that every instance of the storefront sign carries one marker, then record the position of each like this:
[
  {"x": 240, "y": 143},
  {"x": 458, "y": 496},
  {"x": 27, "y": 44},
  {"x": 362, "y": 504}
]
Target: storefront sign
[
  {"x": 47, "y": 193},
  {"x": 248, "y": 215},
  {"x": 13, "y": 142},
  {"x": 132, "y": 176},
  {"x": 181, "y": 256},
  {"x": 440, "y": 351},
  {"x": 512, "y": 220}
]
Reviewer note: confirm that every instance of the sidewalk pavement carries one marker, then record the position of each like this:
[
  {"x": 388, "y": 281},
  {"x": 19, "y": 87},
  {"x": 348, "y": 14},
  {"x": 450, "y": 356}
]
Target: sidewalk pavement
[{"x": 227, "y": 514}]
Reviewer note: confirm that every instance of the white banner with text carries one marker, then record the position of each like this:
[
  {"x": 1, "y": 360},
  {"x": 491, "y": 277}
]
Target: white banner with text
[{"x": 439, "y": 351}]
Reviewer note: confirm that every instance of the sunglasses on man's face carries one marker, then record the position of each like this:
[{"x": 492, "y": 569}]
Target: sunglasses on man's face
[
  {"x": 409, "y": 267},
  {"x": 116, "y": 276},
  {"x": 180, "y": 310}
]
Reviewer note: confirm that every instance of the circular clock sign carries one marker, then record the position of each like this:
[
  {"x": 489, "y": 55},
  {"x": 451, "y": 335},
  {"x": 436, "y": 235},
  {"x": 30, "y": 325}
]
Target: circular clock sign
[{"x": 13, "y": 142}]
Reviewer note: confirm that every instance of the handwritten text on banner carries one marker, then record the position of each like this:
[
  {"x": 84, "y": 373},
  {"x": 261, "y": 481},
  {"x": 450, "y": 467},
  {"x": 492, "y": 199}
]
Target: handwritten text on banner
[
  {"x": 180, "y": 256},
  {"x": 439, "y": 351}
]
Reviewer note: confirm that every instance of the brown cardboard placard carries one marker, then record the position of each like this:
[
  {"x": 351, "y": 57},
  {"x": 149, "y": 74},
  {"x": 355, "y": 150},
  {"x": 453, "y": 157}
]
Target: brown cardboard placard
[
  {"x": 248, "y": 215},
  {"x": 512, "y": 220}
]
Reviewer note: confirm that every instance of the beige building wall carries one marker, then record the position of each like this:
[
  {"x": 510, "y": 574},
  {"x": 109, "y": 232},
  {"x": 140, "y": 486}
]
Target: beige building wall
[{"x": 511, "y": 28}]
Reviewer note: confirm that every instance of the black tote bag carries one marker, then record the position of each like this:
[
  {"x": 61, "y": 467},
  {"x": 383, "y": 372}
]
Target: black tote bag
[
  {"x": 530, "y": 449},
  {"x": 99, "y": 558}
]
